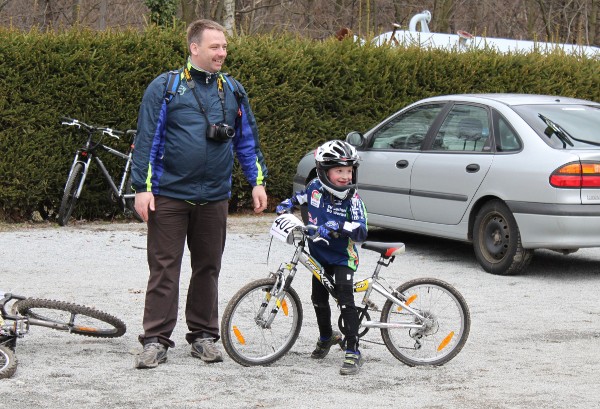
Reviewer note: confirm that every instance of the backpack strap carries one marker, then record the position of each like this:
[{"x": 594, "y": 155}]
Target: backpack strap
[
  {"x": 173, "y": 78},
  {"x": 234, "y": 86}
]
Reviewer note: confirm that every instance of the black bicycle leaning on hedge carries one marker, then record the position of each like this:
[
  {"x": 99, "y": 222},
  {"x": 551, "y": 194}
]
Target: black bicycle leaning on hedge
[
  {"x": 121, "y": 194},
  {"x": 59, "y": 315},
  {"x": 424, "y": 321}
]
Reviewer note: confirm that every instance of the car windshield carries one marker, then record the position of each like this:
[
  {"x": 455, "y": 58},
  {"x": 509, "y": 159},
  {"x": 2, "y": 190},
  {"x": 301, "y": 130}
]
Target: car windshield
[{"x": 564, "y": 126}]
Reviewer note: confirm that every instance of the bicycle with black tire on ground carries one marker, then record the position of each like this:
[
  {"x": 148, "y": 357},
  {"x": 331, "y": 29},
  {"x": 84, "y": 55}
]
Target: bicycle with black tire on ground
[
  {"x": 424, "y": 321},
  {"x": 121, "y": 194},
  {"x": 59, "y": 315}
]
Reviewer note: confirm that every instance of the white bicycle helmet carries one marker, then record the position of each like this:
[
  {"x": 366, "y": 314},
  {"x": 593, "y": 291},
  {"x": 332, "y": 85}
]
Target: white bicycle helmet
[{"x": 330, "y": 155}]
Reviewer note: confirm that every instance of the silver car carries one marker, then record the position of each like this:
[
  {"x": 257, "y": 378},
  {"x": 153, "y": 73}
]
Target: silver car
[{"x": 508, "y": 172}]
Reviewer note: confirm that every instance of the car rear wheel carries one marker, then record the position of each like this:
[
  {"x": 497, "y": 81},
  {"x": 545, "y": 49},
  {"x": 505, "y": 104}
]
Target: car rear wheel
[{"x": 497, "y": 241}]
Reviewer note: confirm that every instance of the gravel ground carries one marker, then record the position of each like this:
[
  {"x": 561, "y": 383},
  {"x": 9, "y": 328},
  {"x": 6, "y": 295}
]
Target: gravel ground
[{"x": 534, "y": 339}]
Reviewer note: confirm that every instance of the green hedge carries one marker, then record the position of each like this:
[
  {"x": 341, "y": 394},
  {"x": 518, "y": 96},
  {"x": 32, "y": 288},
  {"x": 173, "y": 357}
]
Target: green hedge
[{"x": 303, "y": 93}]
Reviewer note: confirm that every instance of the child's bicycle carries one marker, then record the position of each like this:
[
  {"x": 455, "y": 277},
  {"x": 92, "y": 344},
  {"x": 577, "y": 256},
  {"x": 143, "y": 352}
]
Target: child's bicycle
[
  {"x": 59, "y": 315},
  {"x": 424, "y": 321}
]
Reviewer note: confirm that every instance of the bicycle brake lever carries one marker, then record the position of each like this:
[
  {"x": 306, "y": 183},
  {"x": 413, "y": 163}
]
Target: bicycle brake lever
[{"x": 320, "y": 239}]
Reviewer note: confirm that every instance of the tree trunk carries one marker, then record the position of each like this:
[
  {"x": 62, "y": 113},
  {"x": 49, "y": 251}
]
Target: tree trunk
[
  {"x": 229, "y": 16},
  {"x": 188, "y": 11}
]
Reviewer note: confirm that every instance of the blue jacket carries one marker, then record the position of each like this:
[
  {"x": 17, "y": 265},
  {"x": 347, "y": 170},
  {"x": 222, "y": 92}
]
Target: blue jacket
[
  {"x": 349, "y": 213},
  {"x": 172, "y": 155}
]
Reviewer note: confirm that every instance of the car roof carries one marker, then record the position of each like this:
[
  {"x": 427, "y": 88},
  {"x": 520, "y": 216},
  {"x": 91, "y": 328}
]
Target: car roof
[{"x": 513, "y": 99}]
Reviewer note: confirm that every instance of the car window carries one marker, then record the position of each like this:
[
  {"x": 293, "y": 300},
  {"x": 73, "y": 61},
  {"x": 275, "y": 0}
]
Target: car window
[
  {"x": 465, "y": 128},
  {"x": 579, "y": 122},
  {"x": 406, "y": 131},
  {"x": 506, "y": 138}
]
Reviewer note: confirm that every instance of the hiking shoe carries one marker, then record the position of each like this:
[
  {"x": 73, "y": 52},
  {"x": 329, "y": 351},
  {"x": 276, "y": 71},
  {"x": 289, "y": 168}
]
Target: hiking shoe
[
  {"x": 153, "y": 354},
  {"x": 205, "y": 349},
  {"x": 322, "y": 348},
  {"x": 352, "y": 363}
]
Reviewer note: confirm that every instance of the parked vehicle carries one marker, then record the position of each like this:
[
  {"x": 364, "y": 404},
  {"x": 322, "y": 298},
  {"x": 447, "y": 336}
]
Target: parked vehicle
[{"x": 508, "y": 172}]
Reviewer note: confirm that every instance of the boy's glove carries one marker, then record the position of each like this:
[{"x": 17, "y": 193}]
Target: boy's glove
[
  {"x": 284, "y": 207},
  {"x": 325, "y": 231}
]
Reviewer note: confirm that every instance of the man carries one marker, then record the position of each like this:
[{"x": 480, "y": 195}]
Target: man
[{"x": 182, "y": 169}]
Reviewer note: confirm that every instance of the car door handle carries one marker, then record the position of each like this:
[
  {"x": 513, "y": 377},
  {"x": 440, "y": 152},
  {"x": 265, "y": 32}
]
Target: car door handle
[
  {"x": 401, "y": 164},
  {"x": 473, "y": 168}
]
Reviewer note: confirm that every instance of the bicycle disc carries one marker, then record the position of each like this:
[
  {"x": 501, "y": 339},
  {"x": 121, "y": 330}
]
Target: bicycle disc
[
  {"x": 73, "y": 318},
  {"x": 8, "y": 362},
  {"x": 444, "y": 328},
  {"x": 244, "y": 338}
]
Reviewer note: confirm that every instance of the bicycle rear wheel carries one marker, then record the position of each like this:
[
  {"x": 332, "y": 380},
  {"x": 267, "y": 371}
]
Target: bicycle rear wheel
[
  {"x": 69, "y": 198},
  {"x": 8, "y": 362},
  {"x": 245, "y": 340},
  {"x": 447, "y": 323},
  {"x": 73, "y": 318}
]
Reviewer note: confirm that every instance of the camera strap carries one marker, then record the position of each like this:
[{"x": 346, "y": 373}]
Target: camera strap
[{"x": 192, "y": 85}]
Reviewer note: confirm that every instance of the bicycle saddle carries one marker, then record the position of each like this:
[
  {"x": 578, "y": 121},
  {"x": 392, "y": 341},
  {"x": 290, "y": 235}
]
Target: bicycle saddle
[{"x": 385, "y": 249}]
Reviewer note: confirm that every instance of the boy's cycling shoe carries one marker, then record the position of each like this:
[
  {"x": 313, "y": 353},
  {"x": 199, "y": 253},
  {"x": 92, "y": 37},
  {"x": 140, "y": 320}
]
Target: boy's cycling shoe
[
  {"x": 153, "y": 354},
  {"x": 205, "y": 349},
  {"x": 352, "y": 363},
  {"x": 322, "y": 348}
]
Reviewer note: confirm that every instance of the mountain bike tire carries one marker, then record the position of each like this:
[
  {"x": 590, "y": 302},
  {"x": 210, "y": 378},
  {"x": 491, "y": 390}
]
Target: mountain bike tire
[
  {"x": 244, "y": 340},
  {"x": 447, "y": 332},
  {"x": 72, "y": 318},
  {"x": 67, "y": 203},
  {"x": 8, "y": 362}
]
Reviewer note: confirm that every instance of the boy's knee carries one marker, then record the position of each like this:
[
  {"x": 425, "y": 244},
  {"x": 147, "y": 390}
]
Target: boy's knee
[{"x": 345, "y": 295}]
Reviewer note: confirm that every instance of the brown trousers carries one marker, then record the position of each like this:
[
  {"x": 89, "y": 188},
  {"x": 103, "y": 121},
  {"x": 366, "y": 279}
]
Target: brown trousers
[{"x": 204, "y": 227}]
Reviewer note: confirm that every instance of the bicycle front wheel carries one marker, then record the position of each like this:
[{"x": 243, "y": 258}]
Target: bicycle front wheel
[
  {"x": 444, "y": 327},
  {"x": 73, "y": 318},
  {"x": 69, "y": 198},
  {"x": 243, "y": 333},
  {"x": 8, "y": 362}
]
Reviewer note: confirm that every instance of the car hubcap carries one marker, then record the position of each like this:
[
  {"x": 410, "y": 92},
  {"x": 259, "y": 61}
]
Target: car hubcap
[{"x": 496, "y": 237}]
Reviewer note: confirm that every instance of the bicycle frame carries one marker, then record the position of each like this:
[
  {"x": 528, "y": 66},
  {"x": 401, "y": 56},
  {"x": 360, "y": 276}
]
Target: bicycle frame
[
  {"x": 283, "y": 282},
  {"x": 20, "y": 325},
  {"x": 86, "y": 154}
]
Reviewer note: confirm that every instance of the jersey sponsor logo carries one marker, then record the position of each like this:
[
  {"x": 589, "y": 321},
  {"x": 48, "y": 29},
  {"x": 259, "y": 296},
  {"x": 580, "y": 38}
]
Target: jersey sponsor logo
[
  {"x": 315, "y": 198},
  {"x": 338, "y": 211}
]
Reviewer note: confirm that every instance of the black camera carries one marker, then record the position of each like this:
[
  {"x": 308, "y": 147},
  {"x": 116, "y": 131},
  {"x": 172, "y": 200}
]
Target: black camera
[{"x": 220, "y": 132}]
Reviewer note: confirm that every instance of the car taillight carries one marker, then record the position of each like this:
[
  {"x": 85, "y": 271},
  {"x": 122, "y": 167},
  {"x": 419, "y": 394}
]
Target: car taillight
[{"x": 577, "y": 175}]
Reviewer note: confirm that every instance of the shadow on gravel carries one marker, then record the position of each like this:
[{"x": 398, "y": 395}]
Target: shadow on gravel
[{"x": 545, "y": 263}]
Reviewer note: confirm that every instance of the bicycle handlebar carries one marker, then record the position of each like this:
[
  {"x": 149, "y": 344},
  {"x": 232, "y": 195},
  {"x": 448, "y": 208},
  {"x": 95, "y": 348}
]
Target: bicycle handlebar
[{"x": 93, "y": 129}]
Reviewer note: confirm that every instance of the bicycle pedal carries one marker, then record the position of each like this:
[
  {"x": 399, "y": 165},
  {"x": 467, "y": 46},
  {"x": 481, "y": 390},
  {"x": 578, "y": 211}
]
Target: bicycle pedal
[{"x": 370, "y": 304}]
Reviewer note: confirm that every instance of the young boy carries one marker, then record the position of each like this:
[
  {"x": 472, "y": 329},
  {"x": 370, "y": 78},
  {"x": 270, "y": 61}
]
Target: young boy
[{"x": 334, "y": 206}]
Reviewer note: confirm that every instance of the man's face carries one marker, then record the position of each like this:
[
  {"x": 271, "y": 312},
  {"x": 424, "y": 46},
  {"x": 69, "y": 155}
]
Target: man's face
[{"x": 211, "y": 52}]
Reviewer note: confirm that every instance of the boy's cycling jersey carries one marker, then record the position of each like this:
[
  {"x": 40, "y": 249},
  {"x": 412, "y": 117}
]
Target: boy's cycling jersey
[{"x": 349, "y": 213}]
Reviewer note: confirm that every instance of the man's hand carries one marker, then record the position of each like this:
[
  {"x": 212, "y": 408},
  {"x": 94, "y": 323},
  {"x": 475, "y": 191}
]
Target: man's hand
[
  {"x": 144, "y": 201},
  {"x": 259, "y": 196}
]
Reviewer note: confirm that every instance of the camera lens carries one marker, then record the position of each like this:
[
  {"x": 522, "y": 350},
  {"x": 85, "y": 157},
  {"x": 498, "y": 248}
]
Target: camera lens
[{"x": 229, "y": 131}]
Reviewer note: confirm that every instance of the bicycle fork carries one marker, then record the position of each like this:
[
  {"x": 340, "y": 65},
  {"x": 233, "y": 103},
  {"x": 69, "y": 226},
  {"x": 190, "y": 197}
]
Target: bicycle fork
[
  {"x": 283, "y": 281},
  {"x": 86, "y": 166}
]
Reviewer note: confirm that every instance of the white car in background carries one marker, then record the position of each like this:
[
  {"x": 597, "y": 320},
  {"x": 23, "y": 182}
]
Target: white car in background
[{"x": 508, "y": 172}]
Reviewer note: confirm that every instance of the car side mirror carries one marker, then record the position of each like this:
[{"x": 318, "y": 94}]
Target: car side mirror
[{"x": 355, "y": 139}]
